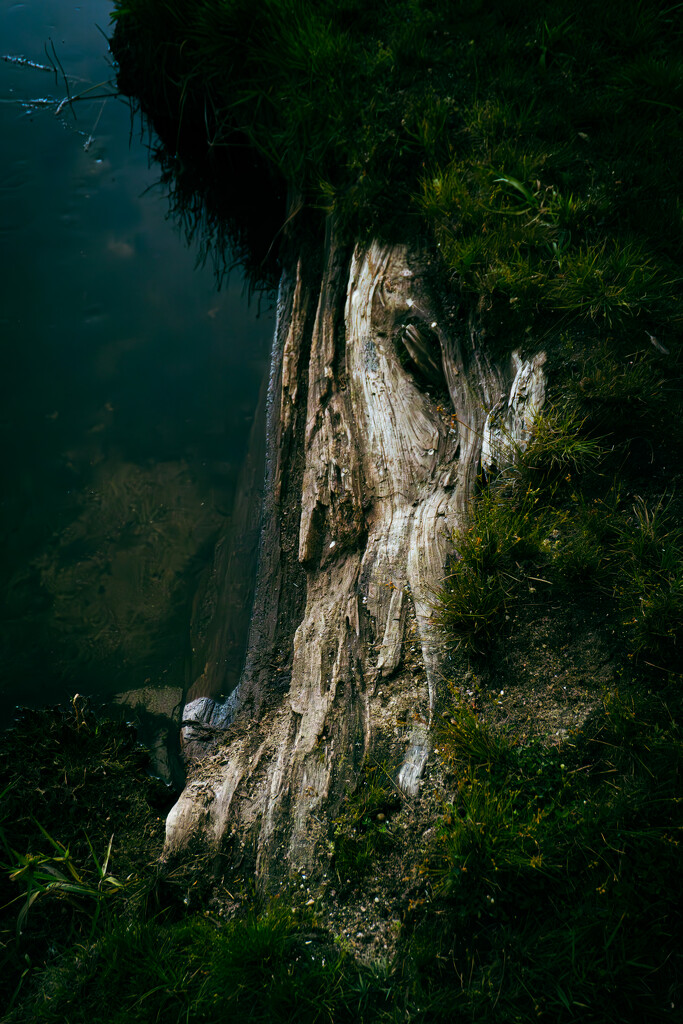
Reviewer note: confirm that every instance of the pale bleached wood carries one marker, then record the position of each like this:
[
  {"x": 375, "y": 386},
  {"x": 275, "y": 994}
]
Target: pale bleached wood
[{"x": 386, "y": 466}]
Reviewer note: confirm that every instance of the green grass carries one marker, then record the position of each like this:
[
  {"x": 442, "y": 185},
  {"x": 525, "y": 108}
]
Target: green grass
[
  {"x": 91, "y": 930},
  {"x": 556, "y": 522},
  {"x": 520, "y": 137},
  {"x": 622, "y": 398},
  {"x": 502, "y": 541},
  {"x": 271, "y": 967},
  {"x": 547, "y": 858},
  {"x": 362, "y": 832},
  {"x": 81, "y": 822},
  {"x": 554, "y": 881},
  {"x": 649, "y": 582},
  {"x": 631, "y": 559}
]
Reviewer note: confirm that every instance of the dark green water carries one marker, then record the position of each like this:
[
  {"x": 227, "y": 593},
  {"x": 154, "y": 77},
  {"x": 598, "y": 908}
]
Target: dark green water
[{"x": 128, "y": 383}]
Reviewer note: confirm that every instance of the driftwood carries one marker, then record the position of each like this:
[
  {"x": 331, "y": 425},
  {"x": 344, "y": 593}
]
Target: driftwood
[{"x": 381, "y": 415}]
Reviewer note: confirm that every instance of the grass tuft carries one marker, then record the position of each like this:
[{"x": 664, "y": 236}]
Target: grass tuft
[
  {"x": 363, "y": 832},
  {"x": 555, "y": 523},
  {"x": 547, "y": 855}
]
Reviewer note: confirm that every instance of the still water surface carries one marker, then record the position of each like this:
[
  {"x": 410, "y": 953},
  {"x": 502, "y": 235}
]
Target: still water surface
[{"x": 128, "y": 382}]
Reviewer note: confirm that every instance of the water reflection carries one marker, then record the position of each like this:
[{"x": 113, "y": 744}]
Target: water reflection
[{"x": 128, "y": 387}]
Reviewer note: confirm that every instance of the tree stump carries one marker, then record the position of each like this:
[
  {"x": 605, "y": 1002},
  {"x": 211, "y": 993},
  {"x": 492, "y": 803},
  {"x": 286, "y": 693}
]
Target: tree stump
[{"x": 381, "y": 415}]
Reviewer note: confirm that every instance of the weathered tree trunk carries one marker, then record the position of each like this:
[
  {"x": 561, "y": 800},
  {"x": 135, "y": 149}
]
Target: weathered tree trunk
[{"x": 380, "y": 414}]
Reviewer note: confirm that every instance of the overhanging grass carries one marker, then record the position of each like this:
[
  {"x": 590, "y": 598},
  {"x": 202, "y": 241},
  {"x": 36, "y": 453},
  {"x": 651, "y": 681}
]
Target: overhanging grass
[{"x": 521, "y": 136}]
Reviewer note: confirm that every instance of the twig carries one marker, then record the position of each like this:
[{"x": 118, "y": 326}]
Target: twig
[
  {"x": 66, "y": 83},
  {"x": 91, "y": 138},
  {"x": 52, "y": 63},
  {"x": 658, "y": 667},
  {"x": 101, "y": 30},
  {"x": 404, "y": 796},
  {"x": 79, "y": 96},
  {"x": 24, "y": 62}
]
